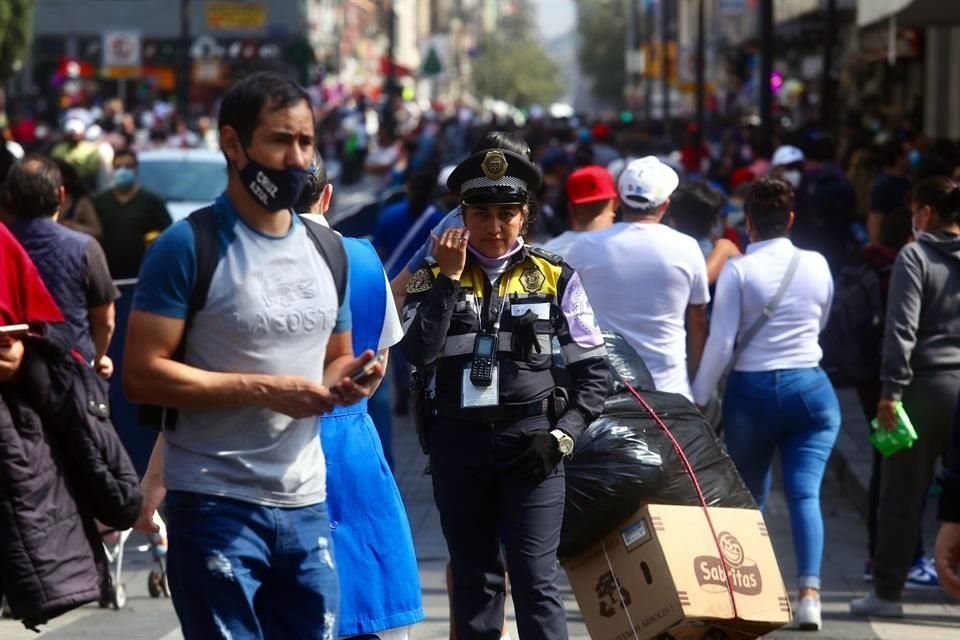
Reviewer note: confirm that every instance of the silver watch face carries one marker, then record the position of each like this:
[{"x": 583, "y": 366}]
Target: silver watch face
[{"x": 564, "y": 441}]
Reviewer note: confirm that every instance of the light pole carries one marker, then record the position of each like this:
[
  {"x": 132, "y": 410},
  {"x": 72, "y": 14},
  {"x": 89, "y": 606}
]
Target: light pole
[
  {"x": 826, "y": 77},
  {"x": 766, "y": 72},
  {"x": 184, "y": 84},
  {"x": 701, "y": 65}
]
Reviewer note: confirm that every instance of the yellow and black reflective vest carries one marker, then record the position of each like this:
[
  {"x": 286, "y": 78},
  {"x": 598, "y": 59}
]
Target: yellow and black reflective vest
[{"x": 441, "y": 319}]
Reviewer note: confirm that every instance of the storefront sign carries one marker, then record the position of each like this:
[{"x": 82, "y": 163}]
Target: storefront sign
[
  {"x": 122, "y": 54},
  {"x": 232, "y": 16}
]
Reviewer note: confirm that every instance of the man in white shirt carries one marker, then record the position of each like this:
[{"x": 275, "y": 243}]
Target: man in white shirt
[
  {"x": 592, "y": 199},
  {"x": 646, "y": 281}
]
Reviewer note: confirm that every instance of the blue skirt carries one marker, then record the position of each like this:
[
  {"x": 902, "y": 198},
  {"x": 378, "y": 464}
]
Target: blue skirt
[{"x": 373, "y": 546}]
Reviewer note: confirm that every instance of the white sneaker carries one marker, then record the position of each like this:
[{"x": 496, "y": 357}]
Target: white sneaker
[{"x": 808, "y": 614}]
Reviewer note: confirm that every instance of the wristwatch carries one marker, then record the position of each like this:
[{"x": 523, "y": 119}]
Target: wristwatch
[{"x": 564, "y": 441}]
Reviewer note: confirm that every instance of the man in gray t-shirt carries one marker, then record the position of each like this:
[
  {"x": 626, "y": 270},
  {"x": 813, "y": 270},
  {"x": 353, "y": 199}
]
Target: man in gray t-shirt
[{"x": 243, "y": 470}]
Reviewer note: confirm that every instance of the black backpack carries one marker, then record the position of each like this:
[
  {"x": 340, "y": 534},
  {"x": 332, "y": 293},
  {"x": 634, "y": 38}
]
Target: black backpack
[
  {"x": 207, "y": 249},
  {"x": 852, "y": 340}
]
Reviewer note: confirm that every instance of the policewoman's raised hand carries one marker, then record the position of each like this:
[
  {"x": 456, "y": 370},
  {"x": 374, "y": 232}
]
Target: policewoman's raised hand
[{"x": 450, "y": 251}]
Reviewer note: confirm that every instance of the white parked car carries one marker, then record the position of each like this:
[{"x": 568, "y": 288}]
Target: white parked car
[{"x": 187, "y": 179}]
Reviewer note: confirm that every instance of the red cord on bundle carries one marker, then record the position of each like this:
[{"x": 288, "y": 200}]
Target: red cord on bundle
[{"x": 696, "y": 485}]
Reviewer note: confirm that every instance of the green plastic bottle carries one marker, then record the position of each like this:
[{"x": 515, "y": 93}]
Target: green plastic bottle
[{"x": 902, "y": 437}]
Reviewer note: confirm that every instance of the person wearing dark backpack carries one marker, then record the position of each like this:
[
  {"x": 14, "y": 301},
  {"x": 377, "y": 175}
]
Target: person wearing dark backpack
[
  {"x": 269, "y": 350},
  {"x": 855, "y": 329},
  {"x": 921, "y": 369}
]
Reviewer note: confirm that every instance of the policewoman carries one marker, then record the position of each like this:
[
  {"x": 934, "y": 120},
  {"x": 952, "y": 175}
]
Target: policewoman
[{"x": 481, "y": 318}]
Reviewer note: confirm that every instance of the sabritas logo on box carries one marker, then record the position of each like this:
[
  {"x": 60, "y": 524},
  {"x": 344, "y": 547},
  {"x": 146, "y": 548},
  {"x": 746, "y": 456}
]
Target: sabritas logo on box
[{"x": 744, "y": 574}]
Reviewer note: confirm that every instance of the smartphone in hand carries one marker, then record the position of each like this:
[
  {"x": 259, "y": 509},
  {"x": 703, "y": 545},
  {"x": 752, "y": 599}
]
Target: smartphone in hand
[
  {"x": 366, "y": 370},
  {"x": 10, "y": 331},
  {"x": 14, "y": 330}
]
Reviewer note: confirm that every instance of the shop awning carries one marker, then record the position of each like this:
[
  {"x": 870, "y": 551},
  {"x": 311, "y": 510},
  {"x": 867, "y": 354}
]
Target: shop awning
[{"x": 909, "y": 13}]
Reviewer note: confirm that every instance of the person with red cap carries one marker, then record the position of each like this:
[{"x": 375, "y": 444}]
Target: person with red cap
[{"x": 593, "y": 202}]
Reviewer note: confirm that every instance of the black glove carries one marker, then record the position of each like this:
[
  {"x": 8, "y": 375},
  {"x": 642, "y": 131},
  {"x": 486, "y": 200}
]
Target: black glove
[
  {"x": 540, "y": 457},
  {"x": 525, "y": 337}
]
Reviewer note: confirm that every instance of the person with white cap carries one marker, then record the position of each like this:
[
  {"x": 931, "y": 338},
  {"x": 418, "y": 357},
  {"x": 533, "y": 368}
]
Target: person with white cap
[
  {"x": 787, "y": 163},
  {"x": 647, "y": 281}
]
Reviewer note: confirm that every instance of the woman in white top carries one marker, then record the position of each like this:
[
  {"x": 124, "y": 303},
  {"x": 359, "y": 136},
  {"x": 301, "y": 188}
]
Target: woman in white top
[{"x": 776, "y": 397}]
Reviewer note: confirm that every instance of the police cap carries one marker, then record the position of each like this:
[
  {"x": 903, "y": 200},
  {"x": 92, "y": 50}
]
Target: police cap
[{"x": 494, "y": 176}]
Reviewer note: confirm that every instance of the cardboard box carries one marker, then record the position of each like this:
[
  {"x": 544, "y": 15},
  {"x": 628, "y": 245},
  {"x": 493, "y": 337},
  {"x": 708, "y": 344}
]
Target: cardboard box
[{"x": 671, "y": 581}]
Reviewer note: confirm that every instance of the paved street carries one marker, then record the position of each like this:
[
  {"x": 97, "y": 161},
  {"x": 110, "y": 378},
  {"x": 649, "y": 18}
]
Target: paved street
[{"x": 930, "y": 615}]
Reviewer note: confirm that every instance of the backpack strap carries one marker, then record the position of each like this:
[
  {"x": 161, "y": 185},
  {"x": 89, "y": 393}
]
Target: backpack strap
[
  {"x": 330, "y": 246},
  {"x": 206, "y": 251},
  {"x": 206, "y": 247}
]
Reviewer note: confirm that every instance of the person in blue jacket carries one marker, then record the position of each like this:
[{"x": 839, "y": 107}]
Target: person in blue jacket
[{"x": 373, "y": 547}]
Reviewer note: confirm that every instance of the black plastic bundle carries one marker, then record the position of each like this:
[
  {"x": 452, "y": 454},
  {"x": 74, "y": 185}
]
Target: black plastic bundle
[
  {"x": 612, "y": 470},
  {"x": 625, "y": 460}
]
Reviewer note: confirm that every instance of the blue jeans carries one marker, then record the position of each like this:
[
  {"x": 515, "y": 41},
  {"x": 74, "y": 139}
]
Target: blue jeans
[
  {"x": 246, "y": 571},
  {"x": 797, "y": 412}
]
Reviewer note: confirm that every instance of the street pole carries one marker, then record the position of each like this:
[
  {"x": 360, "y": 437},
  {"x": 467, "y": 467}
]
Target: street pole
[
  {"x": 184, "y": 84},
  {"x": 766, "y": 72},
  {"x": 826, "y": 76},
  {"x": 665, "y": 60},
  {"x": 648, "y": 34},
  {"x": 631, "y": 51},
  {"x": 389, "y": 81},
  {"x": 701, "y": 73}
]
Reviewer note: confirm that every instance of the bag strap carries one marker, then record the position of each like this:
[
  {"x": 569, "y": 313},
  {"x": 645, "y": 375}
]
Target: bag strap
[
  {"x": 767, "y": 313},
  {"x": 330, "y": 246}
]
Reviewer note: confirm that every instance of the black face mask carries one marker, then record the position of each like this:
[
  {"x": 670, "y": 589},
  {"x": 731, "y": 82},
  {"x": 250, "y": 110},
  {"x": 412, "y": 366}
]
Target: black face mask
[{"x": 274, "y": 189}]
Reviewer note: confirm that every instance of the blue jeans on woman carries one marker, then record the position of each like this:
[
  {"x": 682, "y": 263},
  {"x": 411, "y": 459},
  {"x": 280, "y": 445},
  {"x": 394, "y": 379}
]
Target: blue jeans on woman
[{"x": 797, "y": 412}]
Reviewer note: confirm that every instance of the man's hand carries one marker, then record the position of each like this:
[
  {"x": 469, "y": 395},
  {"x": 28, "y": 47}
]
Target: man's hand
[
  {"x": 154, "y": 491},
  {"x": 887, "y": 415},
  {"x": 11, "y": 355},
  {"x": 348, "y": 392},
  {"x": 450, "y": 251},
  {"x": 297, "y": 397},
  {"x": 947, "y": 555},
  {"x": 104, "y": 367}
]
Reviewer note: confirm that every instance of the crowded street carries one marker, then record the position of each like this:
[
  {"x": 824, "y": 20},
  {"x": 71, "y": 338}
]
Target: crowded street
[
  {"x": 932, "y": 615},
  {"x": 479, "y": 319}
]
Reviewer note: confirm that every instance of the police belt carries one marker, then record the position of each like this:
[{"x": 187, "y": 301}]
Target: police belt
[{"x": 499, "y": 413}]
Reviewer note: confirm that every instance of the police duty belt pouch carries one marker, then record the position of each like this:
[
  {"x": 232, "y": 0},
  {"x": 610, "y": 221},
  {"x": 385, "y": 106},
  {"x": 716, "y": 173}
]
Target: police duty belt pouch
[{"x": 681, "y": 572}]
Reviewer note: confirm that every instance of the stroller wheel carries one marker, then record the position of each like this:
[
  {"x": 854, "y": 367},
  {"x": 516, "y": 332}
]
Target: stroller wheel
[
  {"x": 157, "y": 584},
  {"x": 119, "y": 596}
]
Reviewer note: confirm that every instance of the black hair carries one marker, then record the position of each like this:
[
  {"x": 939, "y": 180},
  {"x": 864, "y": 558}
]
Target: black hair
[
  {"x": 821, "y": 148},
  {"x": 245, "y": 100},
  {"x": 126, "y": 153},
  {"x": 316, "y": 182},
  {"x": 942, "y": 195},
  {"x": 768, "y": 204},
  {"x": 503, "y": 140},
  {"x": 71, "y": 180},
  {"x": 421, "y": 186},
  {"x": 890, "y": 153},
  {"x": 932, "y": 165},
  {"x": 695, "y": 208},
  {"x": 897, "y": 228},
  {"x": 33, "y": 187}
]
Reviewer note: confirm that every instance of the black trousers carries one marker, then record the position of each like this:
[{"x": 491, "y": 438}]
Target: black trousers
[{"x": 483, "y": 502}]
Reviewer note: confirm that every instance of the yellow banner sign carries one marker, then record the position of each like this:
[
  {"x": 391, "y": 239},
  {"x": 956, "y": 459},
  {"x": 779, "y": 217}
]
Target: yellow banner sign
[{"x": 231, "y": 16}]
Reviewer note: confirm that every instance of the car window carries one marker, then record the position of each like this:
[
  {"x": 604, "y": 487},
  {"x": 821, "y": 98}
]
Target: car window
[{"x": 183, "y": 181}]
